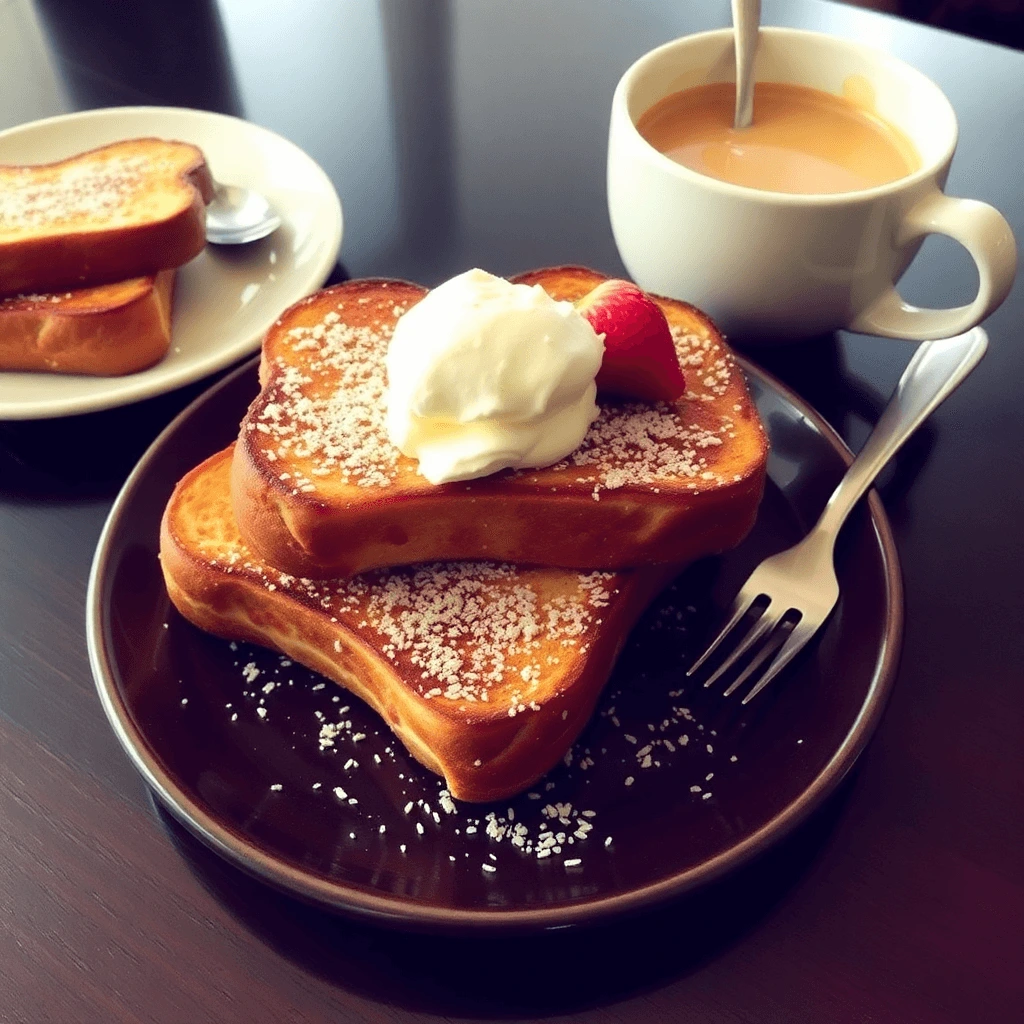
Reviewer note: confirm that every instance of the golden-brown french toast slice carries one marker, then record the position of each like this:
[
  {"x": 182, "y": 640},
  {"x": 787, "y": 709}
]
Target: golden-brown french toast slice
[
  {"x": 125, "y": 210},
  {"x": 320, "y": 491},
  {"x": 108, "y": 330},
  {"x": 486, "y": 672}
]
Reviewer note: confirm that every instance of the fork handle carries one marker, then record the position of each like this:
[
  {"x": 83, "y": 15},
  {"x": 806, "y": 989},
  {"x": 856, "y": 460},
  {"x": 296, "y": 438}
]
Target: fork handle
[{"x": 934, "y": 372}]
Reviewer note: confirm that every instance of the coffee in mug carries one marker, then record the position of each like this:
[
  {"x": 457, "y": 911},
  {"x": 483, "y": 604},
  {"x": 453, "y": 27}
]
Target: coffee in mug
[{"x": 802, "y": 140}]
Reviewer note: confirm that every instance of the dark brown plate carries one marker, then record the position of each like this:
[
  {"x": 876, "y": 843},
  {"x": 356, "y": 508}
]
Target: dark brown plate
[{"x": 238, "y": 766}]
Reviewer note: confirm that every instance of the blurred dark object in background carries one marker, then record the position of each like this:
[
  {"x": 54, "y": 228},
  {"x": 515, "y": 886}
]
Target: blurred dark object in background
[
  {"x": 998, "y": 21},
  {"x": 126, "y": 52}
]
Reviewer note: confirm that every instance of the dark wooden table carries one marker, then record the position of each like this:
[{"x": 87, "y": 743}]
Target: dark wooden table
[{"x": 469, "y": 133}]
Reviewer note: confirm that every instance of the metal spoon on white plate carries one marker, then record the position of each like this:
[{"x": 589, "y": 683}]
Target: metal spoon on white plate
[
  {"x": 237, "y": 215},
  {"x": 746, "y": 20}
]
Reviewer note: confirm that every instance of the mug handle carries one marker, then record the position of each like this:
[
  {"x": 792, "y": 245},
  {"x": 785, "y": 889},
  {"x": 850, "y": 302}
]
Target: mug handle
[{"x": 983, "y": 232}]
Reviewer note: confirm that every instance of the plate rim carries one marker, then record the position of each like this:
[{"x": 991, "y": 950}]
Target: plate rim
[
  {"x": 404, "y": 912},
  {"x": 122, "y": 392}
]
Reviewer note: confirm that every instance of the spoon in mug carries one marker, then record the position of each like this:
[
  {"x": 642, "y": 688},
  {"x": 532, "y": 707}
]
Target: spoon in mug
[
  {"x": 237, "y": 215},
  {"x": 746, "y": 19}
]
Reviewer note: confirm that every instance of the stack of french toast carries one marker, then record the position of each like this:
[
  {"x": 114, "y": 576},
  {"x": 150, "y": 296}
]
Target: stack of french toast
[
  {"x": 89, "y": 247},
  {"x": 480, "y": 617}
]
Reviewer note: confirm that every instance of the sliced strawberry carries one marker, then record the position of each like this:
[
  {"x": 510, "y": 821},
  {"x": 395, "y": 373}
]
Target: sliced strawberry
[{"x": 639, "y": 355}]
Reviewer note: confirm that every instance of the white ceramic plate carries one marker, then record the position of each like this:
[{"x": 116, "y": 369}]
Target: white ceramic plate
[{"x": 228, "y": 296}]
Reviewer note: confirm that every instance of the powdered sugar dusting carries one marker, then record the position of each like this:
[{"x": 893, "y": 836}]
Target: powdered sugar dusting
[
  {"x": 99, "y": 191},
  {"x": 703, "y": 361},
  {"x": 460, "y": 630},
  {"x": 32, "y": 301},
  {"x": 639, "y": 444},
  {"x": 330, "y": 411},
  {"x": 467, "y": 627}
]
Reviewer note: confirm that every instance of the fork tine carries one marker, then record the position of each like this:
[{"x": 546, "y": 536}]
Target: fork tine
[
  {"x": 740, "y": 607},
  {"x": 759, "y": 629},
  {"x": 796, "y": 642},
  {"x": 768, "y": 651}
]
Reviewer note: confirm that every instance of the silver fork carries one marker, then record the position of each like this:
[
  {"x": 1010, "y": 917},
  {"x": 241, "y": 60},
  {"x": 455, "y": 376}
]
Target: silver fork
[{"x": 798, "y": 587}]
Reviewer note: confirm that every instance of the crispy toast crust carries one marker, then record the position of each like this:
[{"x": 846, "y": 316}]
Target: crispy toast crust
[
  {"x": 121, "y": 211},
  {"x": 319, "y": 491},
  {"x": 108, "y": 330},
  {"x": 487, "y": 673}
]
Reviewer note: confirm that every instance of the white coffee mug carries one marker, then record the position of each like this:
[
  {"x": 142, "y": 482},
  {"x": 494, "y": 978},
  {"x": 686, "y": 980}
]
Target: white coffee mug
[{"x": 774, "y": 265}]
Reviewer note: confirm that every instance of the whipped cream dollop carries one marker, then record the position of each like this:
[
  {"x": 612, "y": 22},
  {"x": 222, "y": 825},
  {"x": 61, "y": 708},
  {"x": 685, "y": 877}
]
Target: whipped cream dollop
[{"x": 485, "y": 375}]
